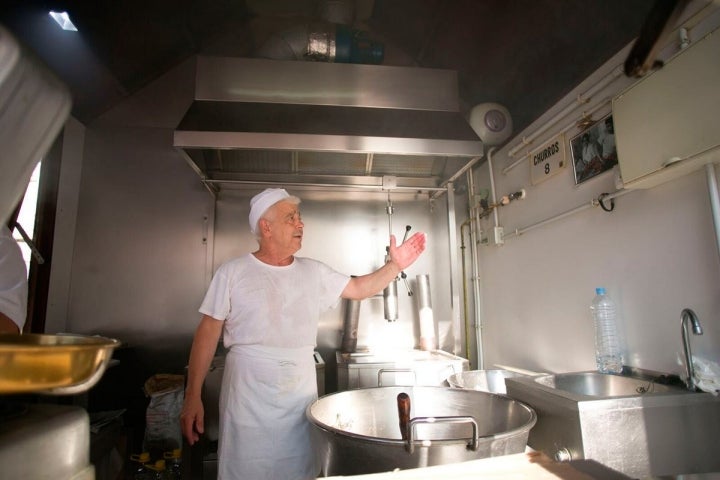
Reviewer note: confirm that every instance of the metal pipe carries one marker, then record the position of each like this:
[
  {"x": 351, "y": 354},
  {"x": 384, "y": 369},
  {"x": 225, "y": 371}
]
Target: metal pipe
[
  {"x": 492, "y": 184},
  {"x": 466, "y": 223},
  {"x": 714, "y": 200},
  {"x": 350, "y": 326},
  {"x": 403, "y": 275},
  {"x": 580, "y": 100},
  {"x": 568, "y": 127},
  {"x": 332, "y": 185},
  {"x": 428, "y": 340},
  {"x": 593, "y": 203},
  {"x": 389, "y": 211},
  {"x": 390, "y": 301},
  {"x": 686, "y": 316},
  {"x": 474, "y": 242},
  {"x": 28, "y": 241},
  {"x": 390, "y": 295},
  {"x": 452, "y": 243},
  {"x": 456, "y": 175}
]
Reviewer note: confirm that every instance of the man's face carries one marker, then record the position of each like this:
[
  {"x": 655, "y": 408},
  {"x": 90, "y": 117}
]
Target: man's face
[{"x": 286, "y": 226}]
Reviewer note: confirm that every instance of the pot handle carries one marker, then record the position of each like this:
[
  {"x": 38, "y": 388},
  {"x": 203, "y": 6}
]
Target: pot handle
[
  {"x": 472, "y": 444},
  {"x": 395, "y": 370}
]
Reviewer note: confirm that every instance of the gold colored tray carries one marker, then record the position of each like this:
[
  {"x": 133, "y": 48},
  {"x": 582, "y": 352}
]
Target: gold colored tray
[{"x": 52, "y": 364}]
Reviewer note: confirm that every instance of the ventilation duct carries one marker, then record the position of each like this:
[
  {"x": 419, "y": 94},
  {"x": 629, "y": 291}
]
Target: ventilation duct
[
  {"x": 330, "y": 39},
  {"x": 323, "y": 42},
  {"x": 327, "y": 118}
]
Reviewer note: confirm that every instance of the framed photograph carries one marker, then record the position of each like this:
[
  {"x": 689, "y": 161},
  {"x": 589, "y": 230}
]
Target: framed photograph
[{"x": 593, "y": 150}]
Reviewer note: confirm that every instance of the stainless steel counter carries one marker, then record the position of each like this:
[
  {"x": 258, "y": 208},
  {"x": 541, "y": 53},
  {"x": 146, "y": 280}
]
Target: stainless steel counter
[
  {"x": 531, "y": 464},
  {"x": 396, "y": 367}
]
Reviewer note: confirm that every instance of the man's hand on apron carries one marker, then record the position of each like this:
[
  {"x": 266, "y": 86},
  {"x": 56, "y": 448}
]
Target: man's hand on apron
[{"x": 192, "y": 419}]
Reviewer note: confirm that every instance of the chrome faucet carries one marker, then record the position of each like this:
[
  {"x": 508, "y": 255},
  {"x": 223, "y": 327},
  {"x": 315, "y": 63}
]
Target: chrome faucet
[{"x": 688, "y": 314}]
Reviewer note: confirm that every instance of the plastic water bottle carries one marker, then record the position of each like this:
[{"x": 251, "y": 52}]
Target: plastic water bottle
[
  {"x": 607, "y": 345},
  {"x": 158, "y": 470},
  {"x": 140, "y": 470},
  {"x": 173, "y": 462}
]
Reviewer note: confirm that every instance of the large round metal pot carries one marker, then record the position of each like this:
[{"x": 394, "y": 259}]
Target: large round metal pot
[
  {"x": 358, "y": 431},
  {"x": 492, "y": 381}
]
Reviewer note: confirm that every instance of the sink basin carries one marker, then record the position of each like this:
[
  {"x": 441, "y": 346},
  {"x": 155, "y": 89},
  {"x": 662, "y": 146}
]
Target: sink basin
[
  {"x": 630, "y": 423},
  {"x": 597, "y": 384}
]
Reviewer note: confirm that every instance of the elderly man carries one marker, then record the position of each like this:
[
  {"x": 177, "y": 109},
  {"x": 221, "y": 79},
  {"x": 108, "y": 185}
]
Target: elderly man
[{"x": 267, "y": 304}]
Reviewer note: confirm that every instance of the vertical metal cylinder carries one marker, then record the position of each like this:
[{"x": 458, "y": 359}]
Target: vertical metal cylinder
[
  {"x": 428, "y": 340},
  {"x": 390, "y": 301},
  {"x": 350, "y": 326}
]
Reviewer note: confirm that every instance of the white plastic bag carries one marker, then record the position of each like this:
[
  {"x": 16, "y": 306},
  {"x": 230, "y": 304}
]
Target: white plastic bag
[
  {"x": 707, "y": 375},
  {"x": 162, "y": 418}
]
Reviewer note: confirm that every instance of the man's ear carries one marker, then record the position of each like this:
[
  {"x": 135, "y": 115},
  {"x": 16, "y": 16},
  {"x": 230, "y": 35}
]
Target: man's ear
[{"x": 264, "y": 225}]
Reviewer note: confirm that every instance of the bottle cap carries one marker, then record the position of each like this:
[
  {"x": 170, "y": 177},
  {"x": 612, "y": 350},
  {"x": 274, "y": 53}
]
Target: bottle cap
[
  {"x": 176, "y": 453},
  {"x": 158, "y": 466},
  {"x": 600, "y": 291},
  {"x": 144, "y": 457}
]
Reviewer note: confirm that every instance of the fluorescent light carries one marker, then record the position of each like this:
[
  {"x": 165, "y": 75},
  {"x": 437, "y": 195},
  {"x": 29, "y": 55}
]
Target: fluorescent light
[{"x": 63, "y": 19}]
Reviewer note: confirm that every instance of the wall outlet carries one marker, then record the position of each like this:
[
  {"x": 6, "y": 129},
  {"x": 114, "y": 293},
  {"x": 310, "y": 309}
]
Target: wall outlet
[{"x": 497, "y": 236}]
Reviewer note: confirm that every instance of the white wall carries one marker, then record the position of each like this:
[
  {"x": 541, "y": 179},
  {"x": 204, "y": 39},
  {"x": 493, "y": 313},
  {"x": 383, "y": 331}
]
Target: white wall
[
  {"x": 656, "y": 254},
  {"x": 73, "y": 138},
  {"x": 138, "y": 231}
]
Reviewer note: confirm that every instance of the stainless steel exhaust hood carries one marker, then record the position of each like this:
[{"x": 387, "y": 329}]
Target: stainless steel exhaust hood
[{"x": 271, "y": 120}]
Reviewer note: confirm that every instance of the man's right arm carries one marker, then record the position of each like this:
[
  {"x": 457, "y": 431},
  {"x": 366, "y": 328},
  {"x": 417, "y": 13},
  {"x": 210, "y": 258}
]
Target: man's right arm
[{"x": 203, "y": 349}]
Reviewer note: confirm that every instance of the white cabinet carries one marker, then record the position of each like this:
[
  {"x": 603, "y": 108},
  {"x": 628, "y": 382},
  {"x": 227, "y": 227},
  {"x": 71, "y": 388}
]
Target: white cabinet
[{"x": 666, "y": 124}]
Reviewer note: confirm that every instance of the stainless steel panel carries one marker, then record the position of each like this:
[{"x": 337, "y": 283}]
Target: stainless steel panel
[
  {"x": 326, "y": 143},
  {"x": 317, "y": 83},
  {"x": 309, "y": 109},
  {"x": 326, "y": 129},
  {"x": 643, "y": 434}
]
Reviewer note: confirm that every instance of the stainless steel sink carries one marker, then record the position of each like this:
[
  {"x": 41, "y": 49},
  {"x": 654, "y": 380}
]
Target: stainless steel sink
[
  {"x": 594, "y": 384},
  {"x": 631, "y": 423}
]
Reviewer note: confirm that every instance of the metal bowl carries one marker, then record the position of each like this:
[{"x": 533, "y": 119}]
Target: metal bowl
[
  {"x": 492, "y": 381},
  {"x": 359, "y": 432},
  {"x": 52, "y": 364}
]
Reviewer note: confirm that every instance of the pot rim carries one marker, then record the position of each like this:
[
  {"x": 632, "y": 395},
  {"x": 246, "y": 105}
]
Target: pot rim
[{"x": 398, "y": 441}]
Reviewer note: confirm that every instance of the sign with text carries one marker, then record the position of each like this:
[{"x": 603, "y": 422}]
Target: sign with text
[{"x": 548, "y": 160}]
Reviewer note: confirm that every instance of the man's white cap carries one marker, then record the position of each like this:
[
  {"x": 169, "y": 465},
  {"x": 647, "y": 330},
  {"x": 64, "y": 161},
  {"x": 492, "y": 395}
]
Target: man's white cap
[{"x": 260, "y": 203}]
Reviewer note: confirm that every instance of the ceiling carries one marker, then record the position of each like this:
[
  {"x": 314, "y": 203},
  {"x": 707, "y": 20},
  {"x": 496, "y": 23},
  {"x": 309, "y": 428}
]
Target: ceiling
[{"x": 523, "y": 54}]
